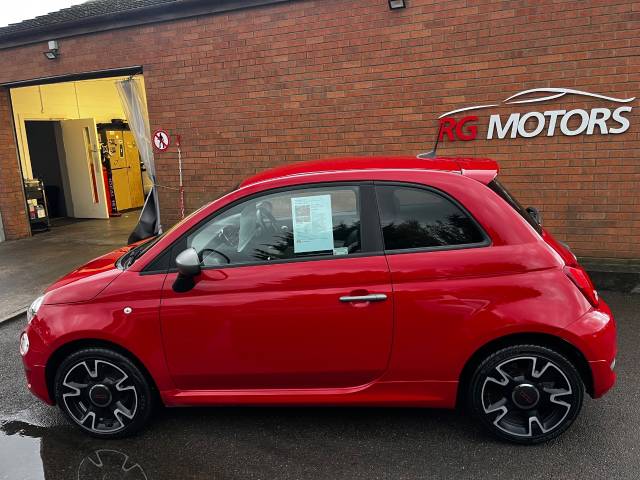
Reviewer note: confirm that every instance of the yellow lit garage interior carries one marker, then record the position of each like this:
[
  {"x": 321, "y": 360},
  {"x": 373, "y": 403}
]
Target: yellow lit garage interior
[{"x": 74, "y": 143}]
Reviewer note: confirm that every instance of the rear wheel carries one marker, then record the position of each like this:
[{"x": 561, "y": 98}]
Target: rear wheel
[
  {"x": 526, "y": 393},
  {"x": 103, "y": 392}
]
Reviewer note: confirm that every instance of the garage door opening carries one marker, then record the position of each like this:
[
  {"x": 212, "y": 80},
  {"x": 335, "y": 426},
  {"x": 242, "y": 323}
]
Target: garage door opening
[
  {"x": 78, "y": 155},
  {"x": 45, "y": 163}
]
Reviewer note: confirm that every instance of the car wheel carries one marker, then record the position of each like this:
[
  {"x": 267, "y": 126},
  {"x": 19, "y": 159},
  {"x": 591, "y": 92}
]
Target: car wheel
[
  {"x": 526, "y": 393},
  {"x": 103, "y": 392}
]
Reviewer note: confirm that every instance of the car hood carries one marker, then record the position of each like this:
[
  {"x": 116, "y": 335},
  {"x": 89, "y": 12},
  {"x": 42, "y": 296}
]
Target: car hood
[{"x": 87, "y": 281}]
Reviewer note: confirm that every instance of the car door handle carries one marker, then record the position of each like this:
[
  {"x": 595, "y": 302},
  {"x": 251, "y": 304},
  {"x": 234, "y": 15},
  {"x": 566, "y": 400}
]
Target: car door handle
[{"x": 374, "y": 297}]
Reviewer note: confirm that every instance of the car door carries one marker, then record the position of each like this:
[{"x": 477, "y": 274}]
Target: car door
[
  {"x": 441, "y": 267},
  {"x": 294, "y": 293}
]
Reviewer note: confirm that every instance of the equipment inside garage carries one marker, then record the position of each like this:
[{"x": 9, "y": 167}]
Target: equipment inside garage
[
  {"x": 122, "y": 160},
  {"x": 78, "y": 156}
]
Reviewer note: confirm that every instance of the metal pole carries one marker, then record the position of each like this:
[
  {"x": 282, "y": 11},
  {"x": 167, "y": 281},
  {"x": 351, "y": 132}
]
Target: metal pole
[{"x": 180, "y": 172}]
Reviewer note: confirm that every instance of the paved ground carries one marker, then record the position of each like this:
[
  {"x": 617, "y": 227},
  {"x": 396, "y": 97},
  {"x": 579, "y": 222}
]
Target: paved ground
[
  {"x": 30, "y": 265},
  {"x": 261, "y": 443}
]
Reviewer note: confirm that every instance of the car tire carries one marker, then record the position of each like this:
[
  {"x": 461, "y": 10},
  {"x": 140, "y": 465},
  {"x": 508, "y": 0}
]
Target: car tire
[
  {"x": 103, "y": 392},
  {"x": 526, "y": 393}
]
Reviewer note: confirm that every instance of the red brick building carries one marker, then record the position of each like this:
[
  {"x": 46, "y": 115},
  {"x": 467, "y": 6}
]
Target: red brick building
[{"x": 251, "y": 84}]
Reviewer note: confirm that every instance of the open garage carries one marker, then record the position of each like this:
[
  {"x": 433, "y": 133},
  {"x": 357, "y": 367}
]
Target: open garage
[{"x": 78, "y": 156}]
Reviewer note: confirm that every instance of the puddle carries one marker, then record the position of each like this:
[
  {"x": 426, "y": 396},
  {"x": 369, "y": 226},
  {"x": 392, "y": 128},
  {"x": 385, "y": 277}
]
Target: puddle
[
  {"x": 19, "y": 453},
  {"x": 31, "y": 452}
]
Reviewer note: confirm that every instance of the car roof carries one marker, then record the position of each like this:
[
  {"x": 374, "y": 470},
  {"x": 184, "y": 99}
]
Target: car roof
[{"x": 482, "y": 169}]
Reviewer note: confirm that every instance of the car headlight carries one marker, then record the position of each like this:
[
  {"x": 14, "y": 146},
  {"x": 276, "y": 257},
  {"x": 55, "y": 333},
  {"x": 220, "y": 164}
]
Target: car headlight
[
  {"x": 24, "y": 344},
  {"x": 33, "y": 309}
]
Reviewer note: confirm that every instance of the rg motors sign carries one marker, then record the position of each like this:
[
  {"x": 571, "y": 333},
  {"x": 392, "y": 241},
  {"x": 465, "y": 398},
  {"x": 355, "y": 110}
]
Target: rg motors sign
[{"x": 600, "y": 121}]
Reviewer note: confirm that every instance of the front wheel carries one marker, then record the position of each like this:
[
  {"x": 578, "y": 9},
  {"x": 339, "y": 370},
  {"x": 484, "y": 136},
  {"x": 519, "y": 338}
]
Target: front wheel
[
  {"x": 526, "y": 393},
  {"x": 103, "y": 392}
]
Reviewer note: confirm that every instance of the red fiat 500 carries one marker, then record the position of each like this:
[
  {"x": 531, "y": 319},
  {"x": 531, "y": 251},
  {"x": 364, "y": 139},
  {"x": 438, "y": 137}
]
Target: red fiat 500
[{"x": 362, "y": 281}]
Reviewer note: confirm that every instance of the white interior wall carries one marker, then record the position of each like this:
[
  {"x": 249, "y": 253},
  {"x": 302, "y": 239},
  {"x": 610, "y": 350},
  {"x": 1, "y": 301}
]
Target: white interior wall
[{"x": 96, "y": 99}]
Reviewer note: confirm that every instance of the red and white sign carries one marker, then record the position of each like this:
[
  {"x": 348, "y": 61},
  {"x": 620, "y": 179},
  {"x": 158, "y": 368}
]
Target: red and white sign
[
  {"x": 602, "y": 120},
  {"x": 161, "y": 140}
]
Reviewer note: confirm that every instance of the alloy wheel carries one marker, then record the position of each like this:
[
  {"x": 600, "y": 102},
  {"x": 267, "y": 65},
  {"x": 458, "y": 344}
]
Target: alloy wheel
[
  {"x": 100, "y": 396},
  {"x": 527, "y": 396}
]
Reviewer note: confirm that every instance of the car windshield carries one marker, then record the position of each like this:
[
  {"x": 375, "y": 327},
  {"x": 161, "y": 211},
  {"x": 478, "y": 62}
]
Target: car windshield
[{"x": 500, "y": 189}]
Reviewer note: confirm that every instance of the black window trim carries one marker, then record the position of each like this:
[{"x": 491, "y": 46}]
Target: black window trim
[
  {"x": 499, "y": 189},
  {"x": 487, "y": 242},
  {"x": 371, "y": 233}
]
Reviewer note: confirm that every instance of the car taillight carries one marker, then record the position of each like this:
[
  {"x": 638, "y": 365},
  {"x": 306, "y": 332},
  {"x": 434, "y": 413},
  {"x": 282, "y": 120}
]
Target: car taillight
[{"x": 581, "y": 279}]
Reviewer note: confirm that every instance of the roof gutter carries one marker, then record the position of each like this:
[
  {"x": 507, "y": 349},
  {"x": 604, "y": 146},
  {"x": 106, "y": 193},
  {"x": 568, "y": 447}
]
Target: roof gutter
[{"x": 127, "y": 18}]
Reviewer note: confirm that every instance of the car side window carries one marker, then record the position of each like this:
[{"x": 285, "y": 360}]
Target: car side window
[
  {"x": 413, "y": 217},
  {"x": 301, "y": 223}
]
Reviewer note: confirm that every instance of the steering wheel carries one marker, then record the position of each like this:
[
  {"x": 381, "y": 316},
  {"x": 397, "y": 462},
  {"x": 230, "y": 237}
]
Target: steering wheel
[
  {"x": 266, "y": 219},
  {"x": 228, "y": 237},
  {"x": 207, "y": 251}
]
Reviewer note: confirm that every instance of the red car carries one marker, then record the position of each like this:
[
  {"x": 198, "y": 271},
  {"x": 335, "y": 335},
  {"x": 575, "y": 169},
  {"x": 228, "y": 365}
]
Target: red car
[{"x": 360, "y": 281}]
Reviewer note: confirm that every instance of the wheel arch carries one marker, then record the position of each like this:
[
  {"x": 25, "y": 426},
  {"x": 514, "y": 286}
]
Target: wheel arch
[
  {"x": 67, "y": 349},
  {"x": 573, "y": 354}
]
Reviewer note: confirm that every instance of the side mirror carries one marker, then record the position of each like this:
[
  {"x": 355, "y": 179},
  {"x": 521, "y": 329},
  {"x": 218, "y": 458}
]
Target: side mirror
[
  {"x": 535, "y": 214},
  {"x": 188, "y": 263}
]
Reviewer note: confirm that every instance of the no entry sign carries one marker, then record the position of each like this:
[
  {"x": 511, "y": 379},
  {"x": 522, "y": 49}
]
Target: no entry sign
[{"x": 160, "y": 140}]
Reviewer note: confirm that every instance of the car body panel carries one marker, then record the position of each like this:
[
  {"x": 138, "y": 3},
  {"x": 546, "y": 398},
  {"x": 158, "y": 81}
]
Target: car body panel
[
  {"x": 104, "y": 320},
  {"x": 87, "y": 281},
  {"x": 595, "y": 335},
  {"x": 457, "y": 309},
  {"x": 379, "y": 393},
  {"x": 281, "y": 327}
]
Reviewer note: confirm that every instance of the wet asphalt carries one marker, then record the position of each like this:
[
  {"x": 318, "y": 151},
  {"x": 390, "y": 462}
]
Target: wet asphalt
[{"x": 266, "y": 443}]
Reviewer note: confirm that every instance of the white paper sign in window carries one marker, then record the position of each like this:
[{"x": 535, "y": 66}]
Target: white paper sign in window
[{"x": 312, "y": 223}]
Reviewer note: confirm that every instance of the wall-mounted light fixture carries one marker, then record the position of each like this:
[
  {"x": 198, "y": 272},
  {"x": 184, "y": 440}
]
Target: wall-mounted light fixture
[
  {"x": 53, "y": 52},
  {"x": 397, "y": 4}
]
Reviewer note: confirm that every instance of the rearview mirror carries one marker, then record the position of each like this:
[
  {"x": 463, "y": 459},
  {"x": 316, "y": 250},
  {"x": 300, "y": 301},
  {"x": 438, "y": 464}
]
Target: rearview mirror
[{"x": 188, "y": 263}]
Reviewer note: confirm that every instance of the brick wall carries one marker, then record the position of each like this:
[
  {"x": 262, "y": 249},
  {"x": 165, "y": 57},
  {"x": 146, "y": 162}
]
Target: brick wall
[
  {"x": 12, "y": 203},
  {"x": 308, "y": 79}
]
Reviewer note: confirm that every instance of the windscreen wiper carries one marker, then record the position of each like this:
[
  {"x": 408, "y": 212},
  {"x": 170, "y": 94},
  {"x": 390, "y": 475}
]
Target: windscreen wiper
[{"x": 134, "y": 254}]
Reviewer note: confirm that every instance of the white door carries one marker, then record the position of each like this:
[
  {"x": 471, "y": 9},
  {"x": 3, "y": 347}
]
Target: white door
[{"x": 84, "y": 168}]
